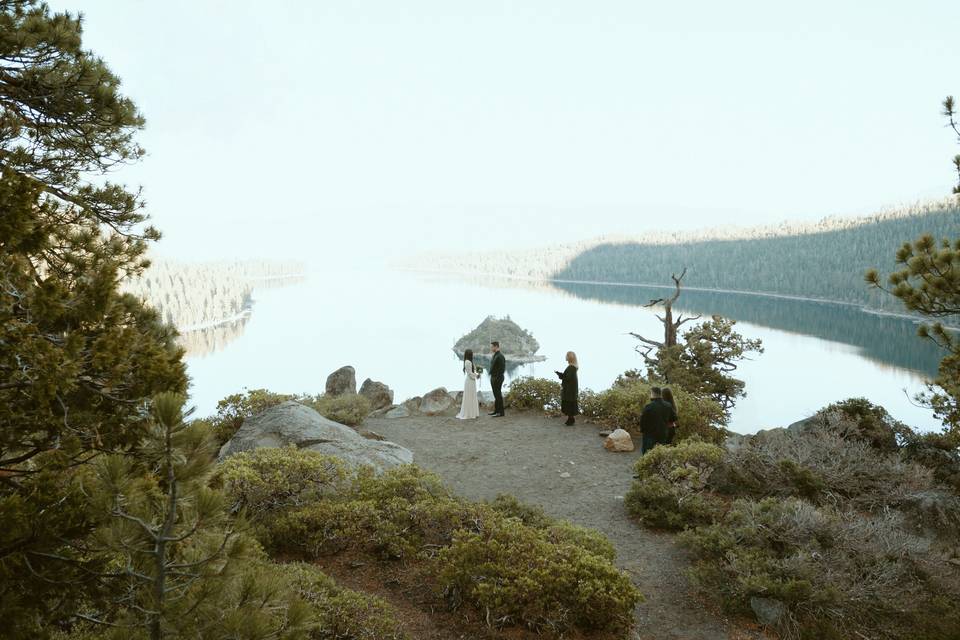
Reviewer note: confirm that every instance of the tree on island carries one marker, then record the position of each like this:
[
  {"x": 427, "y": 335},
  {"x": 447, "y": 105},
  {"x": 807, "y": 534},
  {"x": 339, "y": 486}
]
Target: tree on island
[
  {"x": 928, "y": 283},
  {"x": 79, "y": 360}
]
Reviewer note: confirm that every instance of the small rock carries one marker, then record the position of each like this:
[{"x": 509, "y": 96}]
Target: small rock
[
  {"x": 565, "y": 474},
  {"x": 617, "y": 441},
  {"x": 769, "y": 612},
  {"x": 343, "y": 381},
  {"x": 398, "y": 412},
  {"x": 604, "y": 434}
]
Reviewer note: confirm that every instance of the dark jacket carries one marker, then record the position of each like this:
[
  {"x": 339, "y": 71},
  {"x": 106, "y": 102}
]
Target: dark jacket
[
  {"x": 655, "y": 417},
  {"x": 498, "y": 365},
  {"x": 570, "y": 392}
]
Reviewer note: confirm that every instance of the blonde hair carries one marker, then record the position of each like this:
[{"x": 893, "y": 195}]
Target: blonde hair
[{"x": 572, "y": 359}]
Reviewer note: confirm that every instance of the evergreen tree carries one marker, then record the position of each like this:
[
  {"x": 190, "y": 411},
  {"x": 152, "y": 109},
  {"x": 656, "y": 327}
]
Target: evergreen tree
[
  {"x": 64, "y": 122},
  {"x": 184, "y": 568},
  {"x": 78, "y": 360},
  {"x": 703, "y": 363},
  {"x": 928, "y": 282}
]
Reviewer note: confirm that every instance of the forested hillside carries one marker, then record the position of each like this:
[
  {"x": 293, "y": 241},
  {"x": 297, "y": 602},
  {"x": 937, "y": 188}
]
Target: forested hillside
[
  {"x": 196, "y": 295},
  {"x": 824, "y": 260},
  {"x": 825, "y": 265}
]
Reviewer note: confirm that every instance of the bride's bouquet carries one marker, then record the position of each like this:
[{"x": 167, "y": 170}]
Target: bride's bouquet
[{"x": 479, "y": 370}]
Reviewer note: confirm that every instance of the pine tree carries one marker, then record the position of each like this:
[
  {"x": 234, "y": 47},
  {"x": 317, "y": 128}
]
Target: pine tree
[
  {"x": 704, "y": 362},
  {"x": 183, "y": 566},
  {"x": 928, "y": 282},
  {"x": 78, "y": 360}
]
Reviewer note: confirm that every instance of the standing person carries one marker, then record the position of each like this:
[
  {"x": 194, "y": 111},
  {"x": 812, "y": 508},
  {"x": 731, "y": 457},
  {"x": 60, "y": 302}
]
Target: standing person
[
  {"x": 469, "y": 406},
  {"x": 654, "y": 420},
  {"x": 498, "y": 367},
  {"x": 671, "y": 426},
  {"x": 569, "y": 388}
]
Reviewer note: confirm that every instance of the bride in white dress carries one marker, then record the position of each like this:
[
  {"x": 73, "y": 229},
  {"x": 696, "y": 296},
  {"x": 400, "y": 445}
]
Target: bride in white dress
[{"x": 470, "y": 407}]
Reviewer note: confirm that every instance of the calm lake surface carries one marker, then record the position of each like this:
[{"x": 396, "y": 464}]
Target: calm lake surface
[{"x": 399, "y": 328}]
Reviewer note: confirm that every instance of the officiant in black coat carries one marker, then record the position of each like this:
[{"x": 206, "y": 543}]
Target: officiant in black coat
[
  {"x": 498, "y": 369},
  {"x": 570, "y": 388}
]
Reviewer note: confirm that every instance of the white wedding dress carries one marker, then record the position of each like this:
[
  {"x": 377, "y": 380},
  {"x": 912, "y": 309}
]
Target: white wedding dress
[{"x": 470, "y": 407}]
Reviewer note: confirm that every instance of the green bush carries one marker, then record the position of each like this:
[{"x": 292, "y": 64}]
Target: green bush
[
  {"x": 271, "y": 479},
  {"x": 342, "y": 614},
  {"x": 521, "y": 578},
  {"x": 234, "y": 409},
  {"x": 537, "y": 394},
  {"x": 348, "y": 409},
  {"x": 671, "y": 489},
  {"x": 556, "y": 531},
  {"x": 622, "y": 405},
  {"x": 866, "y": 422},
  {"x": 407, "y": 514}
]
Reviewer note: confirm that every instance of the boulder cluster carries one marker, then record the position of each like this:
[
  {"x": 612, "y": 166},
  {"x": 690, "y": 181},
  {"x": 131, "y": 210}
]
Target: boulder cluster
[{"x": 438, "y": 402}]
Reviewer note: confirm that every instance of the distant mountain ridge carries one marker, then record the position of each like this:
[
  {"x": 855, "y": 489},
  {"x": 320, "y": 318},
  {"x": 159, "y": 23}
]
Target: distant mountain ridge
[{"x": 823, "y": 260}]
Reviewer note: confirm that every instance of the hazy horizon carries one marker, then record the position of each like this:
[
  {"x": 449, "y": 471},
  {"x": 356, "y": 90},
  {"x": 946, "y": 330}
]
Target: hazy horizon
[{"x": 335, "y": 133}]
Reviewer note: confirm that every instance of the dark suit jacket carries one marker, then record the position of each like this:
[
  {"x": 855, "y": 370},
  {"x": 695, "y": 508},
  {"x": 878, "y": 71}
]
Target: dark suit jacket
[
  {"x": 498, "y": 365},
  {"x": 655, "y": 417}
]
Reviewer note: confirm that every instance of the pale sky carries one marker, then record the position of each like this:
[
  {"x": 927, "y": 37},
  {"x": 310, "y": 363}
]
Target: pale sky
[{"x": 321, "y": 130}]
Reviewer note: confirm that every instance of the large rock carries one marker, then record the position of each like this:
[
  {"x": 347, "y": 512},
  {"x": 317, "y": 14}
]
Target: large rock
[
  {"x": 412, "y": 405},
  {"x": 619, "y": 440},
  {"x": 343, "y": 381},
  {"x": 291, "y": 423},
  {"x": 436, "y": 402},
  {"x": 379, "y": 394}
]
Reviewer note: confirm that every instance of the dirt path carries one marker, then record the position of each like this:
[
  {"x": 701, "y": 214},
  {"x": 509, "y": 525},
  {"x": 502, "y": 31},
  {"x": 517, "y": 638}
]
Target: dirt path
[{"x": 525, "y": 455}]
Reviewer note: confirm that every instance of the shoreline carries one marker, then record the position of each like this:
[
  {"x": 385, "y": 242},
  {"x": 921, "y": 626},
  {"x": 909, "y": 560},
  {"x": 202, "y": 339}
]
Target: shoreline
[{"x": 782, "y": 296}]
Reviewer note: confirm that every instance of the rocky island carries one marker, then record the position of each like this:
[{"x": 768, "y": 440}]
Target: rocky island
[{"x": 516, "y": 343}]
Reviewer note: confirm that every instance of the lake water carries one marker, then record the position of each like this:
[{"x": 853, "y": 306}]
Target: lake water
[{"x": 399, "y": 328}]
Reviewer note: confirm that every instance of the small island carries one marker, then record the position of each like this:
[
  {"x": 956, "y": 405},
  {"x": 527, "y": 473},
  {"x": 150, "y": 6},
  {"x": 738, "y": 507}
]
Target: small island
[{"x": 517, "y": 344}]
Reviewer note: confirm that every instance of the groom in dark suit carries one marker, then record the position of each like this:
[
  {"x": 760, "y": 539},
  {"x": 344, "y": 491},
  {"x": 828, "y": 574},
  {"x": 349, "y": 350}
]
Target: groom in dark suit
[{"x": 498, "y": 366}]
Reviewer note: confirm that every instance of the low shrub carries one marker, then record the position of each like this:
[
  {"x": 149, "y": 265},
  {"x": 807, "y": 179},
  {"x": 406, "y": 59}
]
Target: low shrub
[
  {"x": 407, "y": 514},
  {"x": 343, "y": 614},
  {"x": 823, "y": 522},
  {"x": 348, "y": 409},
  {"x": 538, "y": 394},
  {"x": 234, "y": 409},
  {"x": 864, "y": 421},
  {"x": 622, "y": 405},
  {"x": 520, "y": 578},
  {"x": 271, "y": 479},
  {"x": 671, "y": 490},
  {"x": 820, "y": 466},
  {"x": 555, "y": 530},
  {"x": 834, "y": 571}
]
